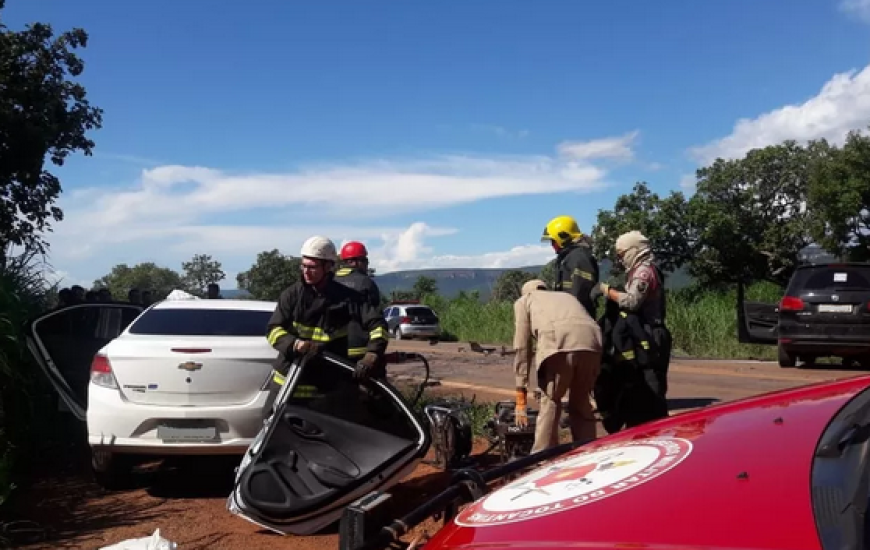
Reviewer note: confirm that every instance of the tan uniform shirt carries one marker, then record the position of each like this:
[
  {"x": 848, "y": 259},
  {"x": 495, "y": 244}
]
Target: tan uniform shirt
[{"x": 556, "y": 323}]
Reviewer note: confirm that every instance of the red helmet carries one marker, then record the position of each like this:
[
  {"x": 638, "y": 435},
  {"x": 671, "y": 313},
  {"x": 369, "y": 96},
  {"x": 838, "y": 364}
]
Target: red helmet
[{"x": 352, "y": 250}]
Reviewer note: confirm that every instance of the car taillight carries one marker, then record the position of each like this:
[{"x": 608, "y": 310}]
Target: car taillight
[
  {"x": 101, "y": 372},
  {"x": 405, "y": 320},
  {"x": 791, "y": 303}
]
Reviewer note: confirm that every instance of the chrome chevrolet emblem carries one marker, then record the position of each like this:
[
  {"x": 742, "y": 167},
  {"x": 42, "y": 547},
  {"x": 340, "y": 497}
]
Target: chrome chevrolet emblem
[{"x": 190, "y": 366}]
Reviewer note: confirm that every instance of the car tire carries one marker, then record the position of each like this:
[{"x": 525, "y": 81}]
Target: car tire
[
  {"x": 786, "y": 360},
  {"x": 397, "y": 333},
  {"x": 112, "y": 471}
]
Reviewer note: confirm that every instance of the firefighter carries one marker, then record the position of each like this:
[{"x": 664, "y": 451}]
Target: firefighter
[
  {"x": 625, "y": 388},
  {"x": 314, "y": 313},
  {"x": 567, "y": 357},
  {"x": 576, "y": 267},
  {"x": 354, "y": 273},
  {"x": 644, "y": 295}
]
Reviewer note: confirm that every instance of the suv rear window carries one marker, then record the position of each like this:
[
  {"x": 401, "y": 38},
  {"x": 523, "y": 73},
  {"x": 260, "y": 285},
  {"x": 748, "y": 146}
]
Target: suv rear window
[
  {"x": 202, "y": 322},
  {"x": 419, "y": 312},
  {"x": 831, "y": 278}
]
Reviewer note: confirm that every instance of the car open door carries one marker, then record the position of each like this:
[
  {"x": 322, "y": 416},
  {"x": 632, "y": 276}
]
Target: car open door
[
  {"x": 757, "y": 322},
  {"x": 331, "y": 440},
  {"x": 63, "y": 343}
]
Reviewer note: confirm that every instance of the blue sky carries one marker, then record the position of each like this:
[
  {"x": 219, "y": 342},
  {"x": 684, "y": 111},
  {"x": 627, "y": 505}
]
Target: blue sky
[{"x": 442, "y": 133}]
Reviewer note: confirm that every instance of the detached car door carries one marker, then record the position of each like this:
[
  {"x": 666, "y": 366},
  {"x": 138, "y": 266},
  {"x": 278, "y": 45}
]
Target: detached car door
[
  {"x": 757, "y": 322},
  {"x": 63, "y": 343},
  {"x": 331, "y": 440}
]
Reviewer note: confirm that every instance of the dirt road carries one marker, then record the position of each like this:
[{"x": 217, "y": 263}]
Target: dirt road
[
  {"x": 692, "y": 382},
  {"x": 187, "y": 501}
]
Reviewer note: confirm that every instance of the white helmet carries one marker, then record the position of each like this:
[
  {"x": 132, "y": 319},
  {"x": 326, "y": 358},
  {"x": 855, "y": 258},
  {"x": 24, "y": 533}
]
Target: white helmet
[{"x": 320, "y": 248}]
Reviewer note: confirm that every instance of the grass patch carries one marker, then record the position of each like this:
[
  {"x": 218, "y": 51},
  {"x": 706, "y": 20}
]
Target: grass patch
[
  {"x": 25, "y": 408},
  {"x": 703, "y": 322}
]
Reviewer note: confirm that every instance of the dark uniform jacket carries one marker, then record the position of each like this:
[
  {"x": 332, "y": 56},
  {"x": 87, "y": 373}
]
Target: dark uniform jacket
[
  {"x": 577, "y": 273},
  {"x": 362, "y": 283},
  {"x": 625, "y": 391},
  {"x": 324, "y": 318}
]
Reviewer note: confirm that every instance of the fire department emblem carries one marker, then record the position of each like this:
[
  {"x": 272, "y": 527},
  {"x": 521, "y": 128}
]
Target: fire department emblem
[{"x": 576, "y": 481}]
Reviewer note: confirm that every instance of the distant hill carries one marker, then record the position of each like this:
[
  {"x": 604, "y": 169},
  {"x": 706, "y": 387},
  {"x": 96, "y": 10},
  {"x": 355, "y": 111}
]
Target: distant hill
[{"x": 451, "y": 281}]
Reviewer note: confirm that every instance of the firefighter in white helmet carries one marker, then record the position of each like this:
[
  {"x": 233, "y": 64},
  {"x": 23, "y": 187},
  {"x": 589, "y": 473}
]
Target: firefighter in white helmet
[{"x": 313, "y": 315}]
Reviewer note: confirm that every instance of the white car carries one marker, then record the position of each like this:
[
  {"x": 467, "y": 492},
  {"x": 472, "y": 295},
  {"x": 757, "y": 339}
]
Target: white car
[{"x": 181, "y": 377}]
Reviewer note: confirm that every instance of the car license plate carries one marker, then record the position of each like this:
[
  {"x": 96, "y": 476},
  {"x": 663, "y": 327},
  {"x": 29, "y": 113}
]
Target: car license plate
[
  {"x": 835, "y": 308},
  {"x": 187, "y": 433}
]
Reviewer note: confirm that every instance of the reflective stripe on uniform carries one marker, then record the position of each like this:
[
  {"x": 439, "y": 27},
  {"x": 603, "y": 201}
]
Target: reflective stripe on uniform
[
  {"x": 278, "y": 378},
  {"x": 357, "y": 352},
  {"x": 644, "y": 344},
  {"x": 379, "y": 332},
  {"x": 627, "y": 355},
  {"x": 317, "y": 334},
  {"x": 584, "y": 274},
  {"x": 274, "y": 334},
  {"x": 343, "y": 271},
  {"x": 567, "y": 284},
  {"x": 305, "y": 391}
]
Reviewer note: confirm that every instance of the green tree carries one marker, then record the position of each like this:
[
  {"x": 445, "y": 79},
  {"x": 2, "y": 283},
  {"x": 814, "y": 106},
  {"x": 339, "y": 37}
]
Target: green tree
[
  {"x": 424, "y": 286},
  {"x": 839, "y": 198},
  {"x": 144, "y": 276},
  {"x": 548, "y": 273},
  {"x": 664, "y": 222},
  {"x": 200, "y": 272},
  {"x": 748, "y": 216},
  {"x": 44, "y": 115},
  {"x": 270, "y": 275},
  {"x": 508, "y": 287}
]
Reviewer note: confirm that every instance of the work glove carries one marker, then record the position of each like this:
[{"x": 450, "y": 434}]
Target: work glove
[
  {"x": 307, "y": 346},
  {"x": 365, "y": 366},
  {"x": 520, "y": 415},
  {"x": 600, "y": 289}
]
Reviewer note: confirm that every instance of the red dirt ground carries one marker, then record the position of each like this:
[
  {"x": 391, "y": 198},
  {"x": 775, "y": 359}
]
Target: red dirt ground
[{"x": 186, "y": 501}]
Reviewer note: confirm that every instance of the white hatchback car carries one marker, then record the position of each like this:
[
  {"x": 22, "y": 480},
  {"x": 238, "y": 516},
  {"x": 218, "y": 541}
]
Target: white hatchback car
[{"x": 181, "y": 377}]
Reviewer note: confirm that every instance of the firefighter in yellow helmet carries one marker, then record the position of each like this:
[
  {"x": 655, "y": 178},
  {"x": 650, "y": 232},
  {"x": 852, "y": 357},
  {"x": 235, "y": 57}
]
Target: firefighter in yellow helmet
[
  {"x": 644, "y": 295},
  {"x": 576, "y": 267}
]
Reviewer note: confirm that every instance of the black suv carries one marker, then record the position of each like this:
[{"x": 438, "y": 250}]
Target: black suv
[{"x": 825, "y": 312}]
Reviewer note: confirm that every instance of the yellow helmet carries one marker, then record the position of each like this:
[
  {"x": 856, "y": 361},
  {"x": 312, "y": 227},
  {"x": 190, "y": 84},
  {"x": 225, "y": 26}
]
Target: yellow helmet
[{"x": 562, "y": 229}]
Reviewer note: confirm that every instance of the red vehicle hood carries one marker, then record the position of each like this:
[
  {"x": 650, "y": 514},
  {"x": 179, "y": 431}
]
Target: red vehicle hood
[{"x": 735, "y": 475}]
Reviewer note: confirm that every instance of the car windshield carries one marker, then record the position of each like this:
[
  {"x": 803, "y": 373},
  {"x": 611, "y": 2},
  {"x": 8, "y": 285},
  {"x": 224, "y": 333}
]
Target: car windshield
[
  {"x": 830, "y": 278},
  {"x": 202, "y": 322},
  {"x": 841, "y": 477}
]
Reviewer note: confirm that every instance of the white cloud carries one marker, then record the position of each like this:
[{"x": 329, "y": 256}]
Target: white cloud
[
  {"x": 688, "y": 182},
  {"x": 175, "y": 211},
  {"x": 618, "y": 148},
  {"x": 409, "y": 251},
  {"x": 843, "y": 104},
  {"x": 857, "y": 8},
  {"x": 501, "y": 131}
]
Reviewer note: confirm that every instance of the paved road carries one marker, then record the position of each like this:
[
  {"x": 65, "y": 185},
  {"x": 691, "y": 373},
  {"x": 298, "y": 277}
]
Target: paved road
[{"x": 692, "y": 382}]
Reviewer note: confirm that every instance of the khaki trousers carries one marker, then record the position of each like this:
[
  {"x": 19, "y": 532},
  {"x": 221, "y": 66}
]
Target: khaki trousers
[{"x": 572, "y": 372}]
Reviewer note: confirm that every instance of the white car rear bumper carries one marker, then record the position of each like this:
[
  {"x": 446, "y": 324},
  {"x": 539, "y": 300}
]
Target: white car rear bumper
[{"x": 117, "y": 425}]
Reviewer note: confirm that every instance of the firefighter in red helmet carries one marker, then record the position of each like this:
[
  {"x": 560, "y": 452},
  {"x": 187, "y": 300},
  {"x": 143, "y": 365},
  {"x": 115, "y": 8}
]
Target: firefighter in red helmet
[{"x": 354, "y": 273}]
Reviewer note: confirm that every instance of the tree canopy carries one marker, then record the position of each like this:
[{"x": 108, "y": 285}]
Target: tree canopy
[
  {"x": 271, "y": 273},
  {"x": 751, "y": 218},
  {"x": 44, "y": 115}
]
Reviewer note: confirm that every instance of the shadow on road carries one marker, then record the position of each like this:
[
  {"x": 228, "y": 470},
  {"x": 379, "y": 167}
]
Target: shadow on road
[{"x": 690, "y": 402}]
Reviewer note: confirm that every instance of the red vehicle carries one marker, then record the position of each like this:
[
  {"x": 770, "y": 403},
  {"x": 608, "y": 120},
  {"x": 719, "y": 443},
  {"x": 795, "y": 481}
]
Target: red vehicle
[{"x": 783, "y": 470}]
